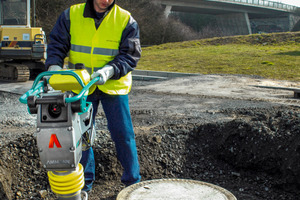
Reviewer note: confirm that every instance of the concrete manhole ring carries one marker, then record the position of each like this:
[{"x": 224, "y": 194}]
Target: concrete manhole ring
[{"x": 175, "y": 189}]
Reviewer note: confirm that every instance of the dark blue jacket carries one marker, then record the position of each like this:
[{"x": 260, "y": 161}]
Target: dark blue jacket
[{"x": 129, "y": 50}]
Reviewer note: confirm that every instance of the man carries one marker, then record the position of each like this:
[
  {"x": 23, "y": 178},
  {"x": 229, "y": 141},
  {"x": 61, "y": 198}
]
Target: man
[{"x": 105, "y": 38}]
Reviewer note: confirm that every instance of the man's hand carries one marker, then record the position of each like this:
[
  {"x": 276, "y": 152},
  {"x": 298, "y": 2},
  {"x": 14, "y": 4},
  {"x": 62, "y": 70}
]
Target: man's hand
[
  {"x": 54, "y": 68},
  {"x": 104, "y": 74}
]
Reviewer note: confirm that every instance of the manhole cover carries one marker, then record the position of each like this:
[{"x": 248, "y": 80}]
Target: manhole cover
[{"x": 175, "y": 189}]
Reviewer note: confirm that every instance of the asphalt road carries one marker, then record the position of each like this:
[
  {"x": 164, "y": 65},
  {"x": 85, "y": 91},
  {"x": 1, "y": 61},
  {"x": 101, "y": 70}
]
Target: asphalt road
[{"x": 223, "y": 86}]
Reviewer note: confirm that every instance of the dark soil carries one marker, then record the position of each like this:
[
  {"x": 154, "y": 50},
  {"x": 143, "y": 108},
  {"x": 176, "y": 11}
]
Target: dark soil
[{"x": 250, "y": 148}]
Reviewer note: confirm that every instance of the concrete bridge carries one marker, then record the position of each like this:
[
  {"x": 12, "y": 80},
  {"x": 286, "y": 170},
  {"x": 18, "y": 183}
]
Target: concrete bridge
[{"x": 239, "y": 17}]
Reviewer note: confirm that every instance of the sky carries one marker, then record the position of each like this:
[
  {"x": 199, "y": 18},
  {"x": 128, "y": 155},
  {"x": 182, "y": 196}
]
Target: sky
[{"x": 290, "y": 2}]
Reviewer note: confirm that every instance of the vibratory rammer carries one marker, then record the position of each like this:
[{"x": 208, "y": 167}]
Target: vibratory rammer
[{"x": 64, "y": 127}]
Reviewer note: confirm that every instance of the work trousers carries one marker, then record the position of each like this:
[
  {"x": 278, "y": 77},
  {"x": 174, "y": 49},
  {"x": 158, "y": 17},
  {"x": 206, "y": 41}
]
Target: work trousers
[{"x": 116, "y": 109}]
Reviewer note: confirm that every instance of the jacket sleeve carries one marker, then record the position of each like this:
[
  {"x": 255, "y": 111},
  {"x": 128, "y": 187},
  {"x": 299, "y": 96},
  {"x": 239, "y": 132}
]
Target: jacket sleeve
[
  {"x": 129, "y": 51},
  {"x": 59, "y": 45}
]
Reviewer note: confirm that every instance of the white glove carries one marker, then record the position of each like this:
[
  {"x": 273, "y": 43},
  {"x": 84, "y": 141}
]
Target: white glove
[
  {"x": 54, "y": 68},
  {"x": 104, "y": 73}
]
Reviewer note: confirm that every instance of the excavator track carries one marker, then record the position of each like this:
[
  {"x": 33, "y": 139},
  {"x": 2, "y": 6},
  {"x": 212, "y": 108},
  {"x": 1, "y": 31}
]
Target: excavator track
[{"x": 14, "y": 73}]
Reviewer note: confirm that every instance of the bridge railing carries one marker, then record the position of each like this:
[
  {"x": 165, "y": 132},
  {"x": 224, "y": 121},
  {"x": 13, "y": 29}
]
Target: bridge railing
[{"x": 266, "y": 3}]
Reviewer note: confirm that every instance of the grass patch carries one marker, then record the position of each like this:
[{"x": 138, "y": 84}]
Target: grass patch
[{"x": 274, "y": 60}]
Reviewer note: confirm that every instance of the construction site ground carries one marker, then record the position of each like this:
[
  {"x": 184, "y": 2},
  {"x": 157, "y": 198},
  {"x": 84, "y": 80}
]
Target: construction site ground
[{"x": 220, "y": 129}]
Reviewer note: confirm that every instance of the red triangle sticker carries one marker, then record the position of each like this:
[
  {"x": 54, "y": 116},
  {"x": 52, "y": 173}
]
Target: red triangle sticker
[{"x": 54, "y": 140}]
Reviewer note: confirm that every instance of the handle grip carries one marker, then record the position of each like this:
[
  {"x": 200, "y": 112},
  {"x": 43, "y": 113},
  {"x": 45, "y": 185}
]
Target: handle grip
[{"x": 38, "y": 87}]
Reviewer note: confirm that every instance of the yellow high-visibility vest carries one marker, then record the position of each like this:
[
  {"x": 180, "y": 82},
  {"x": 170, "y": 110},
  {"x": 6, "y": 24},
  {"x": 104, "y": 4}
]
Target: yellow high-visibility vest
[{"x": 96, "y": 47}]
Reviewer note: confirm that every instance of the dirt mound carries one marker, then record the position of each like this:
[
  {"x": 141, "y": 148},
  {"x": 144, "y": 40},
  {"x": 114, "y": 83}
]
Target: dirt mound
[{"x": 260, "y": 140}]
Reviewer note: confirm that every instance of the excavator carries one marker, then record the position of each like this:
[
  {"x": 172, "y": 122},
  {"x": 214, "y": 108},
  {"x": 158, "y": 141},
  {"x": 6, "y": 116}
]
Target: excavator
[{"x": 22, "y": 47}]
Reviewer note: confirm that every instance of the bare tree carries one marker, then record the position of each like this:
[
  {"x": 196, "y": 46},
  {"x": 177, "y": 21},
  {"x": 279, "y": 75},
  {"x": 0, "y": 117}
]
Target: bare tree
[{"x": 47, "y": 12}]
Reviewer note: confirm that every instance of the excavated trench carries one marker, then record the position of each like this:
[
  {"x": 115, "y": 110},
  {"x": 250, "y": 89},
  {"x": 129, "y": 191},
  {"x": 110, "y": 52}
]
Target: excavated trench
[
  {"x": 255, "y": 156},
  {"x": 251, "y": 148}
]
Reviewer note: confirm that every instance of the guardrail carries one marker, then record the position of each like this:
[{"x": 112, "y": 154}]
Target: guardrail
[{"x": 265, "y": 3}]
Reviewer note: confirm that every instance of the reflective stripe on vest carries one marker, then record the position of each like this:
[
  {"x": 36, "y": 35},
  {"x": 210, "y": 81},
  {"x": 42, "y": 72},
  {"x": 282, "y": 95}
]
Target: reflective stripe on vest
[
  {"x": 95, "y": 48},
  {"x": 101, "y": 51}
]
